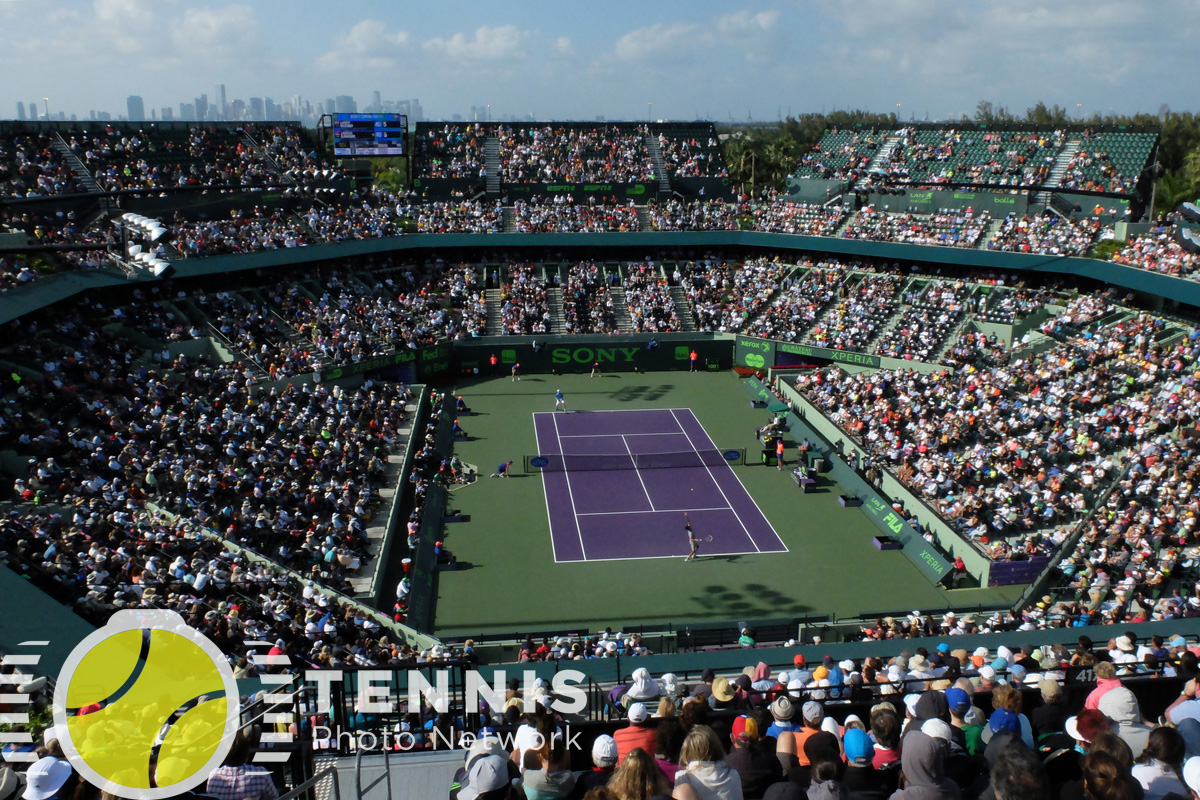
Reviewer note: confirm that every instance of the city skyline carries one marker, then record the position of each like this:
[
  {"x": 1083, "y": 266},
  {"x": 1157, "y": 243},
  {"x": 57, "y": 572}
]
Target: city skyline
[{"x": 671, "y": 60}]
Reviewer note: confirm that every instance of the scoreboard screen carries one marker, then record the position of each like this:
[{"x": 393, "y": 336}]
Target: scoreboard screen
[{"x": 369, "y": 134}]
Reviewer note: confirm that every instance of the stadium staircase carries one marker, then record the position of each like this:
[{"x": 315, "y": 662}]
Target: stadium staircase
[
  {"x": 262, "y": 154},
  {"x": 494, "y": 321},
  {"x": 377, "y": 525},
  {"x": 683, "y": 308},
  {"x": 621, "y": 309},
  {"x": 644, "y": 223},
  {"x": 491, "y": 160},
  {"x": 1059, "y": 169},
  {"x": 558, "y": 321},
  {"x": 986, "y": 236},
  {"x": 660, "y": 169},
  {"x": 508, "y": 217},
  {"x": 885, "y": 153},
  {"x": 844, "y": 224},
  {"x": 107, "y": 205},
  {"x": 308, "y": 229}
]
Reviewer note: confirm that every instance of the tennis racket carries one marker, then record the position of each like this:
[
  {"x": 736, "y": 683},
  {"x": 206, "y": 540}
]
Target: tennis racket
[{"x": 707, "y": 538}]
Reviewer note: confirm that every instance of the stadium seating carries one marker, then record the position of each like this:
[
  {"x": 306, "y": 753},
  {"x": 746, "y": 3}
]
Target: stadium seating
[{"x": 840, "y": 155}]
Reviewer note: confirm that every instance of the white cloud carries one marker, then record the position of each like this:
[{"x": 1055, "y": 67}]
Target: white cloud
[
  {"x": 505, "y": 43},
  {"x": 368, "y": 46},
  {"x": 214, "y": 35},
  {"x": 562, "y": 47},
  {"x": 755, "y": 37}
]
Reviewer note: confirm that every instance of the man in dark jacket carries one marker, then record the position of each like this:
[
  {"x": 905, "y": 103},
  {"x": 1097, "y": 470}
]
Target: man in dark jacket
[{"x": 757, "y": 765}]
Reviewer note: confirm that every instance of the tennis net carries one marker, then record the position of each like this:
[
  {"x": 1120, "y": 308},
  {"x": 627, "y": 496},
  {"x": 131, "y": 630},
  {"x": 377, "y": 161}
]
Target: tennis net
[{"x": 589, "y": 462}]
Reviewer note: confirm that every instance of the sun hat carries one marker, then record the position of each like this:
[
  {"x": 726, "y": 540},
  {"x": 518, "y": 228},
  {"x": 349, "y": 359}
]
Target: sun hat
[
  {"x": 782, "y": 708},
  {"x": 722, "y": 690}
]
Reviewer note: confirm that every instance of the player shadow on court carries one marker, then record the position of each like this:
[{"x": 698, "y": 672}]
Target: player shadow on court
[
  {"x": 754, "y": 599},
  {"x": 630, "y": 393}
]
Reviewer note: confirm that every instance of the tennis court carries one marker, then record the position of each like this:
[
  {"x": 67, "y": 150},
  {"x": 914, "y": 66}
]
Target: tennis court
[{"x": 617, "y": 485}]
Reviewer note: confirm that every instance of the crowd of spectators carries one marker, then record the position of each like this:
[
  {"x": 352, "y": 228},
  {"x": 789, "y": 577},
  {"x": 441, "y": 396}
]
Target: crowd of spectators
[
  {"x": 283, "y": 145},
  {"x": 840, "y": 155},
  {"x": 943, "y": 229},
  {"x": 1047, "y": 234},
  {"x": 1157, "y": 251},
  {"x": 453, "y": 216},
  {"x": 367, "y": 218},
  {"x": 648, "y": 296},
  {"x": 1007, "y": 306},
  {"x": 562, "y": 153},
  {"x": 725, "y": 295},
  {"x": 942, "y": 722},
  {"x": 695, "y": 156},
  {"x": 241, "y": 232},
  {"x": 922, "y": 328},
  {"x": 292, "y": 473},
  {"x": 863, "y": 307},
  {"x": 698, "y": 215},
  {"x": 995, "y": 158},
  {"x": 562, "y": 215},
  {"x": 806, "y": 219},
  {"x": 525, "y": 306},
  {"x": 588, "y": 305},
  {"x": 30, "y": 166},
  {"x": 798, "y": 303},
  {"x": 454, "y": 151}
]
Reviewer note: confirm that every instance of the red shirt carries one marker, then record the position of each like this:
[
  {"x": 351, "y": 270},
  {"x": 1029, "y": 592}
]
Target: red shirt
[{"x": 631, "y": 737}]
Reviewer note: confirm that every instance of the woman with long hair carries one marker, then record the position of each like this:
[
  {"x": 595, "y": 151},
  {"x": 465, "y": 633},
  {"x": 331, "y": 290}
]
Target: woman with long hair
[
  {"x": 1159, "y": 769},
  {"x": 638, "y": 777},
  {"x": 1105, "y": 779},
  {"x": 703, "y": 773}
]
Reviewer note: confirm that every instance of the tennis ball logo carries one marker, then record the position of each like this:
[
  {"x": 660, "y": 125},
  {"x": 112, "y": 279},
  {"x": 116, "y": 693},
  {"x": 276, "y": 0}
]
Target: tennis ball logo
[
  {"x": 755, "y": 360},
  {"x": 168, "y": 706}
]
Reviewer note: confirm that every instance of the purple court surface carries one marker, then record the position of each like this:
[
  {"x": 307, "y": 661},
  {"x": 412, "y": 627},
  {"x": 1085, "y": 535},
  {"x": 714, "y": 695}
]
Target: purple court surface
[{"x": 618, "y": 514}]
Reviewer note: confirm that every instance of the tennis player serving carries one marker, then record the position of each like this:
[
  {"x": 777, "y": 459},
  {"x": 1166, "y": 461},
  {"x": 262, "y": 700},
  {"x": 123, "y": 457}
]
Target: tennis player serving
[{"x": 693, "y": 542}]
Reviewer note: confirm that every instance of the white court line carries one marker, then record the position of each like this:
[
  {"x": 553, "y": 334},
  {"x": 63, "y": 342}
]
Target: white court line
[
  {"x": 622, "y": 435},
  {"x": 656, "y": 511},
  {"x": 718, "y": 485},
  {"x": 778, "y": 538},
  {"x": 638, "y": 472},
  {"x": 570, "y": 494},
  {"x": 545, "y": 490}
]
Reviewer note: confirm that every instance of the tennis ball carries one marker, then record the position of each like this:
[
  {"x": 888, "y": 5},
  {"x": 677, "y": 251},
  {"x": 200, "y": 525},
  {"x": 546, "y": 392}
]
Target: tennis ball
[{"x": 141, "y": 676}]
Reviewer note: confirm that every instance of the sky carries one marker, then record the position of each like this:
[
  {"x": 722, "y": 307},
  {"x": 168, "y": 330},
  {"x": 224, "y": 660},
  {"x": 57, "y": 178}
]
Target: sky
[{"x": 573, "y": 60}]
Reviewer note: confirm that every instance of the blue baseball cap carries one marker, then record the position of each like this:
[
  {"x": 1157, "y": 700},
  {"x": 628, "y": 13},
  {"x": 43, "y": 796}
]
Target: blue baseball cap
[
  {"x": 1004, "y": 720},
  {"x": 943, "y": 648},
  {"x": 859, "y": 749},
  {"x": 958, "y": 700}
]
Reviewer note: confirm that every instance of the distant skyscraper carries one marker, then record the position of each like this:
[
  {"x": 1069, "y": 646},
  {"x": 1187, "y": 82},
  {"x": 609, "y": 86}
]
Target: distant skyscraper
[
  {"x": 345, "y": 104},
  {"x": 135, "y": 107},
  {"x": 1164, "y": 111},
  {"x": 187, "y": 111},
  {"x": 20, "y": 110},
  {"x": 167, "y": 114},
  {"x": 202, "y": 107},
  {"x": 256, "y": 108},
  {"x": 330, "y": 106},
  {"x": 377, "y": 105},
  {"x": 33, "y": 110},
  {"x": 222, "y": 107}
]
